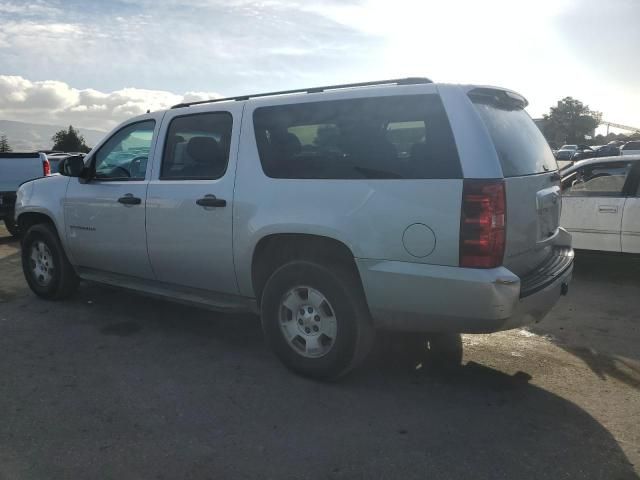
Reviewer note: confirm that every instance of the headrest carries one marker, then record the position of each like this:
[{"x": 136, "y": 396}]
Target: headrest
[{"x": 203, "y": 149}]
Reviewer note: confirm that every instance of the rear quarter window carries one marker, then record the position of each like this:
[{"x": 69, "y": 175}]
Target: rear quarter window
[
  {"x": 519, "y": 143},
  {"x": 391, "y": 137}
]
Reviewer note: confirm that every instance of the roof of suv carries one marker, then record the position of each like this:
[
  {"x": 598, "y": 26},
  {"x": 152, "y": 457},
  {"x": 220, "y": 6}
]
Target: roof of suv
[{"x": 397, "y": 81}]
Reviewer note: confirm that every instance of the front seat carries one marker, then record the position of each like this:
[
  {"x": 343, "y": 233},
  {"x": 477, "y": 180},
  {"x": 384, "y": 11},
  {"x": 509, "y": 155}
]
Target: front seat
[{"x": 209, "y": 159}]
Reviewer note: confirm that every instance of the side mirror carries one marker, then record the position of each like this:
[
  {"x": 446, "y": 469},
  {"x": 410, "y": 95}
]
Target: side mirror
[{"x": 72, "y": 166}]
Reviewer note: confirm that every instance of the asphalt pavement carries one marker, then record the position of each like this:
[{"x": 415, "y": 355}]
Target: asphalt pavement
[{"x": 115, "y": 385}]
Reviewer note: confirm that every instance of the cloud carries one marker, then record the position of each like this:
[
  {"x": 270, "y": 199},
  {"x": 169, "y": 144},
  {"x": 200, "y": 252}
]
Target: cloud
[
  {"x": 243, "y": 46},
  {"x": 32, "y": 8},
  {"x": 55, "y": 102},
  {"x": 546, "y": 49}
]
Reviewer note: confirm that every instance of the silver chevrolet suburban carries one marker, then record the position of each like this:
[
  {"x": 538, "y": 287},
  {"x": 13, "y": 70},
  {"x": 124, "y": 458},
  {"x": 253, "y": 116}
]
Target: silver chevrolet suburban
[{"x": 334, "y": 212}]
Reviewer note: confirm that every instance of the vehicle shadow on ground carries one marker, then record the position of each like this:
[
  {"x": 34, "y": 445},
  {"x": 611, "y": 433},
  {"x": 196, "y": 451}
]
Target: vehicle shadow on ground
[
  {"x": 8, "y": 240},
  {"x": 605, "y": 366},
  {"x": 141, "y": 387},
  {"x": 608, "y": 348},
  {"x": 10, "y": 270}
]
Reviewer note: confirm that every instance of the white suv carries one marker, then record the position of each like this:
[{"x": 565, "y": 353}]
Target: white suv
[{"x": 333, "y": 212}]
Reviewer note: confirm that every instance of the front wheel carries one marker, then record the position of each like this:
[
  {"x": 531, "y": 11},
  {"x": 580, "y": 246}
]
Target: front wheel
[
  {"x": 315, "y": 319},
  {"x": 45, "y": 265}
]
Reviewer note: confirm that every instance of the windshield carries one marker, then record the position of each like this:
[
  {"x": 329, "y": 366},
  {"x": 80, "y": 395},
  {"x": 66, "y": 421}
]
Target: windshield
[{"x": 569, "y": 147}]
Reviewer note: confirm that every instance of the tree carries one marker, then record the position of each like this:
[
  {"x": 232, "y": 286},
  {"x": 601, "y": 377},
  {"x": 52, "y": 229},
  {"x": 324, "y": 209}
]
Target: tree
[
  {"x": 69, "y": 140},
  {"x": 4, "y": 144},
  {"x": 615, "y": 137},
  {"x": 569, "y": 122}
]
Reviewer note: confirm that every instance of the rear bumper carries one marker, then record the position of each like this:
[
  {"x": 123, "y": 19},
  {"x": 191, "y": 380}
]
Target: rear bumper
[{"x": 433, "y": 298}]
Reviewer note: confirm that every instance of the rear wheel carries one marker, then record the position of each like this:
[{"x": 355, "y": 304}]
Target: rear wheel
[
  {"x": 12, "y": 227},
  {"x": 45, "y": 265},
  {"x": 315, "y": 319}
]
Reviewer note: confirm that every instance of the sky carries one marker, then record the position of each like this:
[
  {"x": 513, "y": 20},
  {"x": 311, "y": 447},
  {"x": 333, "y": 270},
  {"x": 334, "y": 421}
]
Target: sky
[{"x": 94, "y": 63}]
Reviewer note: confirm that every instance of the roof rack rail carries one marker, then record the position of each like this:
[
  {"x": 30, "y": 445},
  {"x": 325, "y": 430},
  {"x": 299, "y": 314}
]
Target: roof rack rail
[{"x": 397, "y": 81}]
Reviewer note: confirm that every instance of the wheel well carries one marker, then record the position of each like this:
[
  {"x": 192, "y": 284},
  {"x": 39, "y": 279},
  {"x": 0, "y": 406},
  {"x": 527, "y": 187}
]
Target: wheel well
[
  {"x": 27, "y": 220},
  {"x": 274, "y": 250}
]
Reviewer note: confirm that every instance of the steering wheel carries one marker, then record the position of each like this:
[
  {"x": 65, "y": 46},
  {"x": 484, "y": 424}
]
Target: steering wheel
[
  {"x": 122, "y": 169},
  {"x": 135, "y": 164}
]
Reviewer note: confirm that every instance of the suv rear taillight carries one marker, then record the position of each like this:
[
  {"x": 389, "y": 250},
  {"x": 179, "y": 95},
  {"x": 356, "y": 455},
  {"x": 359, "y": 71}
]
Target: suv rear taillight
[
  {"x": 46, "y": 168},
  {"x": 482, "y": 224}
]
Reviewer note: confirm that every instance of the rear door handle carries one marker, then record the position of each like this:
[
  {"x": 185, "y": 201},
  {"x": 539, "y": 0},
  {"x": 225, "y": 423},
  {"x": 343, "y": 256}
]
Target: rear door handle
[
  {"x": 211, "y": 201},
  {"x": 607, "y": 209},
  {"x": 129, "y": 199}
]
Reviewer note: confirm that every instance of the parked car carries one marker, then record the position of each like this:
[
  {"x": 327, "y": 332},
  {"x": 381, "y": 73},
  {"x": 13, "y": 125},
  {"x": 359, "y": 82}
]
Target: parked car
[
  {"x": 566, "y": 152},
  {"x": 607, "y": 151},
  {"x": 56, "y": 157},
  {"x": 303, "y": 207},
  {"x": 601, "y": 204},
  {"x": 16, "y": 168},
  {"x": 631, "y": 148},
  {"x": 582, "y": 153}
]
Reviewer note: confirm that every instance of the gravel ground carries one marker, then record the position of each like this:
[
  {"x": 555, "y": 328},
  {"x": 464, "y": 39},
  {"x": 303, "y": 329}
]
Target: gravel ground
[{"x": 111, "y": 384}]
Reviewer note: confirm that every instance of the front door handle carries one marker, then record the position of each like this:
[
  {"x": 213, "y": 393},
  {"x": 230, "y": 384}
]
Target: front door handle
[
  {"x": 211, "y": 201},
  {"x": 129, "y": 199},
  {"x": 607, "y": 209}
]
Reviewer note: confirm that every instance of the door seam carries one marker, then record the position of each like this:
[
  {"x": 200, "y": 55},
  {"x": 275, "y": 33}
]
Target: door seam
[
  {"x": 233, "y": 202},
  {"x": 146, "y": 194}
]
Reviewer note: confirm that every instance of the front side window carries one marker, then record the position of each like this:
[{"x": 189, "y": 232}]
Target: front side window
[
  {"x": 394, "y": 137},
  {"x": 606, "y": 179},
  {"x": 197, "y": 147},
  {"x": 126, "y": 154}
]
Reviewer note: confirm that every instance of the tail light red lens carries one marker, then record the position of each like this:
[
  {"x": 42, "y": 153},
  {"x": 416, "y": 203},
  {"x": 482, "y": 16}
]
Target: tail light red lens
[
  {"x": 46, "y": 168},
  {"x": 482, "y": 224}
]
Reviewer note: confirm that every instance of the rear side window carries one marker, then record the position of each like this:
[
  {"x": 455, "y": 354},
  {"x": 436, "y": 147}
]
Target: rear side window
[
  {"x": 606, "y": 179},
  {"x": 521, "y": 147},
  {"x": 197, "y": 147},
  {"x": 631, "y": 146},
  {"x": 396, "y": 137}
]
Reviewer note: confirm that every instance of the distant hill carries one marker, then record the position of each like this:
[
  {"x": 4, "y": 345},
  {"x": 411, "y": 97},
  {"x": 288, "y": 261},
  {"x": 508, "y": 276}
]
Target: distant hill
[{"x": 34, "y": 136}]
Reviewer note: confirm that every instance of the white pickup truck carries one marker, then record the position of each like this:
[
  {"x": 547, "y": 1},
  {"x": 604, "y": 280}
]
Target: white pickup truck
[{"x": 15, "y": 169}]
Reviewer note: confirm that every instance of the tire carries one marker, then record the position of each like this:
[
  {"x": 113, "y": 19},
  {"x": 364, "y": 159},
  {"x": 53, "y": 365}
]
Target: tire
[
  {"x": 12, "y": 227},
  {"x": 45, "y": 265},
  {"x": 334, "y": 304}
]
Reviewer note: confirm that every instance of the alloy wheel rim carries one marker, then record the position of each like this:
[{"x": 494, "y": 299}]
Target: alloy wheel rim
[
  {"x": 41, "y": 263},
  {"x": 308, "y": 322}
]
